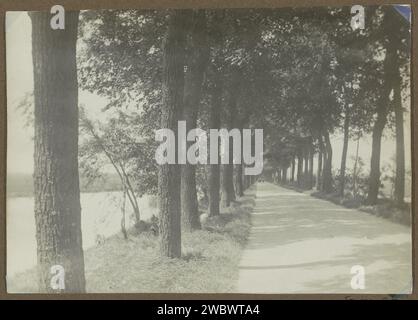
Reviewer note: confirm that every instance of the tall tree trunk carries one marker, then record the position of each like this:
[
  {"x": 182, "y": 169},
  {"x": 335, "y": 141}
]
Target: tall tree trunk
[
  {"x": 324, "y": 164},
  {"x": 400, "y": 144},
  {"x": 56, "y": 179},
  {"x": 172, "y": 103},
  {"x": 300, "y": 168},
  {"x": 228, "y": 192},
  {"x": 197, "y": 62},
  {"x": 319, "y": 168},
  {"x": 344, "y": 155},
  {"x": 293, "y": 168},
  {"x": 355, "y": 168},
  {"x": 306, "y": 169},
  {"x": 374, "y": 179},
  {"x": 239, "y": 188},
  {"x": 390, "y": 68},
  {"x": 327, "y": 174},
  {"x": 311, "y": 160},
  {"x": 244, "y": 179},
  {"x": 214, "y": 189},
  {"x": 215, "y": 123},
  {"x": 284, "y": 175}
]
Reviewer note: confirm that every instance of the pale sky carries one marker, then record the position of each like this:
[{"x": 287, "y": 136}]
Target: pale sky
[
  {"x": 20, "y": 81},
  {"x": 19, "y": 70}
]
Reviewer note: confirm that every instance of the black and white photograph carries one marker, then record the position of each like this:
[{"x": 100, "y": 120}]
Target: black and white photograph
[{"x": 209, "y": 150}]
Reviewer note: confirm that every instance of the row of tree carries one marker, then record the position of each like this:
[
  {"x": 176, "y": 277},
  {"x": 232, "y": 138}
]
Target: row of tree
[
  {"x": 300, "y": 74},
  {"x": 364, "y": 76}
]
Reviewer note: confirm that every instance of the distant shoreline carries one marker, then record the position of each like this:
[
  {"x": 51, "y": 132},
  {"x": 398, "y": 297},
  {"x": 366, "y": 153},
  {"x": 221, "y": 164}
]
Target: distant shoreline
[
  {"x": 21, "y": 185},
  {"x": 16, "y": 194}
]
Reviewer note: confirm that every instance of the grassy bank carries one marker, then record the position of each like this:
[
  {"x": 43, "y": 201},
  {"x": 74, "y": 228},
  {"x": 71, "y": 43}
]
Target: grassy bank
[
  {"x": 209, "y": 262},
  {"x": 385, "y": 208}
]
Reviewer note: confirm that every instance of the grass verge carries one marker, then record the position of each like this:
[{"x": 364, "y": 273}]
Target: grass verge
[
  {"x": 209, "y": 263},
  {"x": 385, "y": 208}
]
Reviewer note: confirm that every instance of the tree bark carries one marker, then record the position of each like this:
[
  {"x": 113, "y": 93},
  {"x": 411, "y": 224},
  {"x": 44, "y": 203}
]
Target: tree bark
[
  {"x": 355, "y": 168},
  {"x": 344, "y": 154},
  {"x": 284, "y": 175},
  {"x": 215, "y": 123},
  {"x": 390, "y": 68},
  {"x": 228, "y": 192},
  {"x": 319, "y": 168},
  {"x": 311, "y": 159},
  {"x": 306, "y": 169},
  {"x": 374, "y": 179},
  {"x": 239, "y": 188},
  {"x": 56, "y": 178},
  {"x": 246, "y": 180},
  {"x": 172, "y": 102},
  {"x": 300, "y": 168},
  {"x": 192, "y": 95},
  {"x": 293, "y": 169},
  {"x": 327, "y": 174},
  {"x": 400, "y": 144}
]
